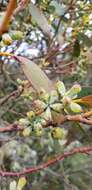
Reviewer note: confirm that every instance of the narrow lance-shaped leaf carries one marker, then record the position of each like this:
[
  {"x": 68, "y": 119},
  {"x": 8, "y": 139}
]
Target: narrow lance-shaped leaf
[
  {"x": 40, "y": 19},
  {"x": 86, "y": 100},
  {"x": 35, "y": 75},
  {"x": 85, "y": 91}
]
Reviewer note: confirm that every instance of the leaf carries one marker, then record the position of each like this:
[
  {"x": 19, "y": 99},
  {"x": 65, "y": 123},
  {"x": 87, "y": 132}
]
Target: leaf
[
  {"x": 87, "y": 100},
  {"x": 35, "y": 75},
  {"x": 40, "y": 19},
  {"x": 60, "y": 9},
  {"x": 47, "y": 115},
  {"x": 57, "y": 107},
  {"x": 85, "y": 91}
]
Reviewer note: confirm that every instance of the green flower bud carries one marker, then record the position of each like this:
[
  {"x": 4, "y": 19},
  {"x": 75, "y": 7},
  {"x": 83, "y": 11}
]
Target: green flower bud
[
  {"x": 30, "y": 115},
  {"x": 38, "y": 131},
  {"x": 43, "y": 122},
  {"x": 72, "y": 93},
  {"x": 26, "y": 132},
  {"x": 60, "y": 87},
  {"x": 23, "y": 121},
  {"x": 58, "y": 133},
  {"x": 74, "y": 107},
  {"x": 19, "y": 81}
]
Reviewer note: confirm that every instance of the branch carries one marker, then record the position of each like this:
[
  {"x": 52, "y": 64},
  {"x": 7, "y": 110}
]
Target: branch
[
  {"x": 9, "y": 12},
  {"x": 83, "y": 150},
  {"x": 82, "y": 118},
  {"x": 61, "y": 18},
  {"x": 79, "y": 118},
  {"x": 62, "y": 119},
  {"x": 14, "y": 94},
  {"x": 10, "y": 128}
]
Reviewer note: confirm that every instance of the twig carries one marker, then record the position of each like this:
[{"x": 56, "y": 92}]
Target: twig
[
  {"x": 9, "y": 12},
  {"x": 14, "y": 94},
  {"x": 79, "y": 118},
  {"x": 83, "y": 150},
  {"x": 62, "y": 119},
  {"x": 61, "y": 17},
  {"x": 10, "y": 128}
]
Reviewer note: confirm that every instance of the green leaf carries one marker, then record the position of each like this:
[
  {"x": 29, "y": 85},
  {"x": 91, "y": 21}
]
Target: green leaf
[
  {"x": 60, "y": 9},
  {"x": 35, "y": 75},
  {"x": 40, "y": 19},
  {"x": 51, "y": 9},
  {"x": 47, "y": 115},
  {"x": 85, "y": 92},
  {"x": 57, "y": 107}
]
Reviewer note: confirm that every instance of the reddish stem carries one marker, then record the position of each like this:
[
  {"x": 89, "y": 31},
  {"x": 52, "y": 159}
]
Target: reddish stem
[{"x": 84, "y": 150}]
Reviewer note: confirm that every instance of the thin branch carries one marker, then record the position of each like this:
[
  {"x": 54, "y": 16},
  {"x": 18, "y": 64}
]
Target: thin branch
[
  {"x": 9, "y": 12},
  {"x": 14, "y": 94},
  {"x": 83, "y": 150},
  {"x": 10, "y": 128},
  {"x": 62, "y": 119},
  {"x": 79, "y": 118},
  {"x": 61, "y": 17}
]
